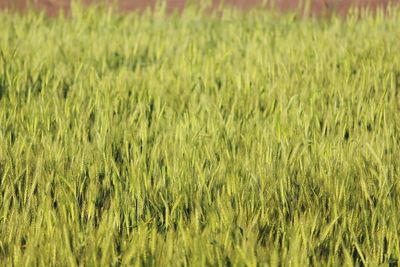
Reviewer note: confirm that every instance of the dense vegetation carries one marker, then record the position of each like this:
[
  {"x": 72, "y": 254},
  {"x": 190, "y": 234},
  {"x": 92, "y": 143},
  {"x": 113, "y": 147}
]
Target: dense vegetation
[{"x": 241, "y": 139}]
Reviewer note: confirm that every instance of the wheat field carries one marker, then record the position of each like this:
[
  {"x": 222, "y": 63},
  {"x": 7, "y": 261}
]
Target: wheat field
[{"x": 241, "y": 139}]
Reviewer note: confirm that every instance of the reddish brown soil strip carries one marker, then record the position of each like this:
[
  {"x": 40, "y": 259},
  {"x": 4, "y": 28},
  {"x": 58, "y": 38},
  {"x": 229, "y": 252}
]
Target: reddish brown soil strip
[{"x": 318, "y": 7}]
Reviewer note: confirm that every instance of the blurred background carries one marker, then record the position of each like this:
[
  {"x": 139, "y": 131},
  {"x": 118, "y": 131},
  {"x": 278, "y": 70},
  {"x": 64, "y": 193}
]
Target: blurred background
[{"x": 317, "y": 7}]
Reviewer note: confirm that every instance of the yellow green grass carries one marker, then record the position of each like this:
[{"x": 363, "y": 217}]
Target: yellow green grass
[{"x": 251, "y": 139}]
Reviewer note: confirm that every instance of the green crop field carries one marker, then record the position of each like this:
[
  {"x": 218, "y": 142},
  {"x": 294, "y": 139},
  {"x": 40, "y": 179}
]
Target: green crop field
[{"x": 247, "y": 139}]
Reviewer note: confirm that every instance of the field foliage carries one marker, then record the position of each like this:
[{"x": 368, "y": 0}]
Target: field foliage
[{"x": 242, "y": 139}]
